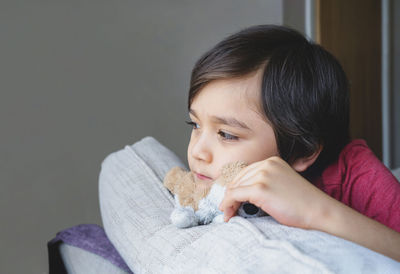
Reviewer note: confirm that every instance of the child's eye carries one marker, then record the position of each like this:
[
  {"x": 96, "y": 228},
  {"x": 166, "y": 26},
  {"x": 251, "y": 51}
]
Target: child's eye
[
  {"x": 227, "y": 136},
  {"x": 193, "y": 124}
]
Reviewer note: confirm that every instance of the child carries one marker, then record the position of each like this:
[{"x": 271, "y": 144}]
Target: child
[{"x": 269, "y": 97}]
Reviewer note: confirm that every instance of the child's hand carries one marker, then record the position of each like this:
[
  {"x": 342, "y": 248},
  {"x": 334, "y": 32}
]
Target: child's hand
[{"x": 279, "y": 190}]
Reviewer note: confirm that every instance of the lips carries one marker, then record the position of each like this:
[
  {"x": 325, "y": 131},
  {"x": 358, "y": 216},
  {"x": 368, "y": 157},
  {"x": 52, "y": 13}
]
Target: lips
[{"x": 202, "y": 177}]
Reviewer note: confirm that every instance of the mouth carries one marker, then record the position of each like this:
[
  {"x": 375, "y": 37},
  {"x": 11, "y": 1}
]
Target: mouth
[{"x": 202, "y": 177}]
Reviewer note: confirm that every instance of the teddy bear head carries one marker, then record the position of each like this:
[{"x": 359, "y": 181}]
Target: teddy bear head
[{"x": 182, "y": 183}]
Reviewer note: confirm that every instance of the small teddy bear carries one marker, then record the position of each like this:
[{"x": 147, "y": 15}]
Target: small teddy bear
[{"x": 196, "y": 204}]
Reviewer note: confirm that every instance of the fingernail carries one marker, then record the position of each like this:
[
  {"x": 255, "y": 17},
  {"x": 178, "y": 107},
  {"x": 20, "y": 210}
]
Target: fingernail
[{"x": 227, "y": 216}]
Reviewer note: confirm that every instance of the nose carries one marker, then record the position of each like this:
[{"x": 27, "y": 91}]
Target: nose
[{"x": 201, "y": 150}]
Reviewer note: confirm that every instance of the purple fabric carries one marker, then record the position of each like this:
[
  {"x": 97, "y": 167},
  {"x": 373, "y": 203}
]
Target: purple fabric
[{"x": 92, "y": 238}]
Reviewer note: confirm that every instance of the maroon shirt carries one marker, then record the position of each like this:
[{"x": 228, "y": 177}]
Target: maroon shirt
[{"x": 359, "y": 180}]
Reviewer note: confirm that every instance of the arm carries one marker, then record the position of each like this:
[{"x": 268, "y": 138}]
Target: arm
[
  {"x": 281, "y": 192},
  {"x": 342, "y": 221}
]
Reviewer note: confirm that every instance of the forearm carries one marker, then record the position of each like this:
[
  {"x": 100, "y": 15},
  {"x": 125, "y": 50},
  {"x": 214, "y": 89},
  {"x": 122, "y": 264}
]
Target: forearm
[{"x": 340, "y": 220}]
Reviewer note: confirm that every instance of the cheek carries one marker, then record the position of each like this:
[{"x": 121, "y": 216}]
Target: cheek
[
  {"x": 223, "y": 157},
  {"x": 260, "y": 153},
  {"x": 189, "y": 149},
  {"x": 255, "y": 152},
  {"x": 189, "y": 156}
]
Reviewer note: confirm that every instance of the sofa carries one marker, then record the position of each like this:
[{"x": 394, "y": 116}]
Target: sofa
[{"x": 137, "y": 236}]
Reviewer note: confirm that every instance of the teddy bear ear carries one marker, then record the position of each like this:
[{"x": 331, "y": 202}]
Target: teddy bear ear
[
  {"x": 230, "y": 170},
  {"x": 173, "y": 177}
]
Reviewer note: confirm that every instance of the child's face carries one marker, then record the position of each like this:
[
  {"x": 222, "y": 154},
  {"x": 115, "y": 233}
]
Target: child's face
[{"x": 228, "y": 126}]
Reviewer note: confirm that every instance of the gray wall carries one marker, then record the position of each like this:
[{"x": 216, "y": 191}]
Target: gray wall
[
  {"x": 294, "y": 14},
  {"x": 81, "y": 79}
]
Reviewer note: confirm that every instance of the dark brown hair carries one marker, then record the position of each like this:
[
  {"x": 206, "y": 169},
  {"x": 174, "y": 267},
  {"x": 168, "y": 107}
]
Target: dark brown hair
[{"x": 304, "y": 91}]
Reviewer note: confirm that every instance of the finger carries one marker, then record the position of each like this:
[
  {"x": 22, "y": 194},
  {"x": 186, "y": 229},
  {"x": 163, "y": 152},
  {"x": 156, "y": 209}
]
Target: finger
[
  {"x": 254, "y": 193},
  {"x": 245, "y": 173},
  {"x": 229, "y": 213},
  {"x": 235, "y": 196},
  {"x": 229, "y": 207},
  {"x": 252, "y": 179}
]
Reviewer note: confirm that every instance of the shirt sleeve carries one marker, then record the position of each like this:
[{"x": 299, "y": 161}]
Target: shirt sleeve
[{"x": 369, "y": 187}]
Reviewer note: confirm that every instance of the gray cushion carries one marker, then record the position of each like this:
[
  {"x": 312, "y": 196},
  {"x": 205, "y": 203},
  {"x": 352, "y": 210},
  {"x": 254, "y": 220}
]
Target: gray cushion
[
  {"x": 135, "y": 209},
  {"x": 80, "y": 261}
]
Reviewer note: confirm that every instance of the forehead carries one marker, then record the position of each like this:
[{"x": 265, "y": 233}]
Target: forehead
[{"x": 235, "y": 97}]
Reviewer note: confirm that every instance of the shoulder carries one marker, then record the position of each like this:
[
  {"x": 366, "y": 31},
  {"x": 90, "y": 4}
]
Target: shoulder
[
  {"x": 368, "y": 185},
  {"x": 357, "y": 160},
  {"x": 360, "y": 180},
  {"x": 356, "y": 163},
  {"x": 355, "y": 151},
  {"x": 361, "y": 171},
  {"x": 353, "y": 157}
]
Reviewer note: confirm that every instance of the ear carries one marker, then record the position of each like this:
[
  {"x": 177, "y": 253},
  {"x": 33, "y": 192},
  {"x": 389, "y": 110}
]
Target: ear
[
  {"x": 302, "y": 164},
  {"x": 174, "y": 177}
]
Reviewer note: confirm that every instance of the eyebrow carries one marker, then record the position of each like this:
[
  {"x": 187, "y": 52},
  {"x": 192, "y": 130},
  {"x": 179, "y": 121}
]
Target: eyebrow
[{"x": 229, "y": 121}]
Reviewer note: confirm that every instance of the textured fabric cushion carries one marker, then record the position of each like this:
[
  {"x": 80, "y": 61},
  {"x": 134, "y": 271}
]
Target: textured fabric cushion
[
  {"x": 135, "y": 209},
  {"x": 89, "y": 237},
  {"x": 78, "y": 261}
]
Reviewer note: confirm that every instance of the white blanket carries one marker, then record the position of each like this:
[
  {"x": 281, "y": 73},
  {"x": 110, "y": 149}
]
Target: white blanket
[{"x": 135, "y": 209}]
